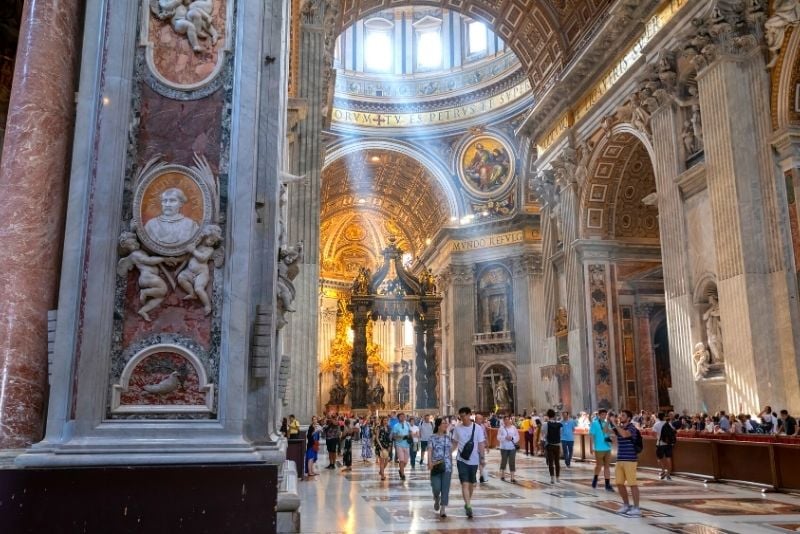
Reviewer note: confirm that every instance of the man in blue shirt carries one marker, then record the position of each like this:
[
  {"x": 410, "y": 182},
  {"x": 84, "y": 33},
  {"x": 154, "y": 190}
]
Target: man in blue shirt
[
  {"x": 600, "y": 446},
  {"x": 627, "y": 461},
  {"x": 567, "y": 436},
  {"x": 401, "y": 434}
]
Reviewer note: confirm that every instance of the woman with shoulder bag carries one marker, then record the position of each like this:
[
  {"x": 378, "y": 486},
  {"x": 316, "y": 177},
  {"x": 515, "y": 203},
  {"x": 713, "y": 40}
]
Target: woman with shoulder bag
[
  {"x": 383, "y": 440},
  {"x": 440, "y": 464},
  {"x": 508, "y": 436}
]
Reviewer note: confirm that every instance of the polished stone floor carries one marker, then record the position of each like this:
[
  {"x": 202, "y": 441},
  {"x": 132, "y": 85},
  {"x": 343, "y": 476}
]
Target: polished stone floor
[{"x": 359, "y": 501}]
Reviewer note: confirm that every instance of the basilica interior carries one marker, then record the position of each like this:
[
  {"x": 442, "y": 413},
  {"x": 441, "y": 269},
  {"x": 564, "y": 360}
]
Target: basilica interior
[{"x": 218, "y": 213}]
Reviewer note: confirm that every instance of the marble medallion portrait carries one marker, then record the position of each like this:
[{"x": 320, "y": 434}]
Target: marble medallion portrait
[
  {"x": 171, "y": 205},
  {"x": 486, "y": 165}
]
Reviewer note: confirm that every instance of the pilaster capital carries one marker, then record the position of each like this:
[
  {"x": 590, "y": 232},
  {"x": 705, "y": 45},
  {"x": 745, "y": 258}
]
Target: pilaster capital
[
  {"x": 727, "y": 29},
  {"x": 462, "y": 274},
  {"x": 644, "y": 310},
  {"x": 526, "y": 264}
]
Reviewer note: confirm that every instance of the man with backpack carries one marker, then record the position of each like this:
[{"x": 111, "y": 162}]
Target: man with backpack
[
  {"x": 629, "y": 445},
  {"x": 665, "y": 440}
]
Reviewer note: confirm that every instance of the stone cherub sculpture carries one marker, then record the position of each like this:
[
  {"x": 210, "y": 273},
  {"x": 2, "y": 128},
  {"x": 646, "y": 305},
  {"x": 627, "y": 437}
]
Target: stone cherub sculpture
[
  {"x": 195, "y": 277},
  {"x": 702, "y": 359},
  {"x": 289, "y": 259},
  {"x": 192, "y": 18},
  {"x": 152, "y": 287}
]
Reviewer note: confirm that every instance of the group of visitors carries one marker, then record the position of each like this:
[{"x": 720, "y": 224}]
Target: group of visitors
[{"x": 431, "y": 441}]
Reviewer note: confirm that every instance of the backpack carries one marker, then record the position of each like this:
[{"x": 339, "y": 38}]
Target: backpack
[
  {"x": 668, "y": 435},
  {"x": 638, "y": 443}
]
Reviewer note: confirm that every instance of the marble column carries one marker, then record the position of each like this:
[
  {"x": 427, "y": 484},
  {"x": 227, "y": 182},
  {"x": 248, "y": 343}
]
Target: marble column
[
  {"x": 750, "y": 221},
  {"x": 546, "y": 286},
  {"x": 421, "y": 368},
  {"x": 431, "y": 364},
  {"x": 33, "y": 179},
  {"x": 462, "y": 310},
  {"x": 645, "y": 359},
  {"x": 667, "y": 165},
  {"x": 358, "y": 369}
]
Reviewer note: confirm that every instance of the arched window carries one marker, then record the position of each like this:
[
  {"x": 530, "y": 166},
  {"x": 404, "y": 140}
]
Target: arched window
[
  {"x": 378, "y": 51},
  {"x": 429, "y": 43},
  {"x": 477, "y": 38}
]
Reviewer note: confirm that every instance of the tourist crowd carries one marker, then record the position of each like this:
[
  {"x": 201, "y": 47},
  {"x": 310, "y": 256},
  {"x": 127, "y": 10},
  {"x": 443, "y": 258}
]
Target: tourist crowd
[{"x": 431, "y": 442}]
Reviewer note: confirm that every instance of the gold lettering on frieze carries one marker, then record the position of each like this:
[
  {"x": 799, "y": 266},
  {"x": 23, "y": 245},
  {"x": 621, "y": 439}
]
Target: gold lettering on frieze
[
  {"x": 587, "y": 102},
  {"x": 498, "y": 240},
  {"x": 444, "y": 116}
]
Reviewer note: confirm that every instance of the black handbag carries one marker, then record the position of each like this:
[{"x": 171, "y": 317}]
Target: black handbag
[
  {"x": 466, "y": 451},
  {"x": 438, "y": 468}
]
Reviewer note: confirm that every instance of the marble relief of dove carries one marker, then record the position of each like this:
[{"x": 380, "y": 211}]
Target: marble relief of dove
[{"x": 168, "y": 385}]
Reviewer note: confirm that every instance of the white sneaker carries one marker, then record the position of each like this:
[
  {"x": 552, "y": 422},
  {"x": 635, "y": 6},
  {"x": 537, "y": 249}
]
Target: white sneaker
[
  {"x": 634, "y": 512},
  {"x": 624, "y": 509}
]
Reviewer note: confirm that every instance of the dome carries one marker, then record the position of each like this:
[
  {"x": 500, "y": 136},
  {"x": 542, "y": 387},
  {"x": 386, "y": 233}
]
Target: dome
[{"x": 411, "y": 66}]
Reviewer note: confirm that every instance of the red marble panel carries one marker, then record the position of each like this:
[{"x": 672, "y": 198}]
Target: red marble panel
[
  {"x": 164, "y": 378},
  {"x": 180, "y": 129}
]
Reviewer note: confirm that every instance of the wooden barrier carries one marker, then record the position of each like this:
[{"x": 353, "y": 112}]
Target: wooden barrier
[{"x": 770, "y": 461}]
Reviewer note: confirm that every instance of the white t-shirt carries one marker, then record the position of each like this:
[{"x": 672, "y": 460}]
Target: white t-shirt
[
  {"x": 462, "y": 434},
  {"x": 657, "y": 431},
  {"x": 415, "y": 433}
]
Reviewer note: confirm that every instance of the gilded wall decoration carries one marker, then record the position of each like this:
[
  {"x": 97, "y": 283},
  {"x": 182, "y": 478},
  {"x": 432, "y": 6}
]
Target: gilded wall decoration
[
  {"x": 185, "y": 40},
  {"x": 486, "y": 165}
]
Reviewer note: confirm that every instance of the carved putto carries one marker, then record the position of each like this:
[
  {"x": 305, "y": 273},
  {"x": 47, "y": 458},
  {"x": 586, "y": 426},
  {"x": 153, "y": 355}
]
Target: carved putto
[
  {"x": 191, "y": 18},
  {"x": 702, "y": 360},
  {"x": 289, "y": 259},
  {"x": 561, "y": 322}
]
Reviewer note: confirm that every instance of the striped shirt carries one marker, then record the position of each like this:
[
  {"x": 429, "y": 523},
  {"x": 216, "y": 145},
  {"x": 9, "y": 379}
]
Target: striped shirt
[{"x": 626, "y": 452}]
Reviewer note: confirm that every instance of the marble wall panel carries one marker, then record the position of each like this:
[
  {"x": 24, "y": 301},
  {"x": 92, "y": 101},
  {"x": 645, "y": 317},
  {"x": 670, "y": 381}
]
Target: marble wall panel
[
  {"x": 700, "y": 234},
  {"x": 600, "y": 335}
]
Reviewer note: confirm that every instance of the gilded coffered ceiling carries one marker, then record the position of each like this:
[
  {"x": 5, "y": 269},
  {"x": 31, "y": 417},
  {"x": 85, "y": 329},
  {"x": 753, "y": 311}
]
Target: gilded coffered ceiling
[
  {"x": 544, "y": 34},
  {"x": 368, "y": 196}
]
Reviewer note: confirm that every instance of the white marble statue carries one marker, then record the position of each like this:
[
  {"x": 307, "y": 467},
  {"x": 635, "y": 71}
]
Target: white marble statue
[
  {"x": 702, "y": 359},
  {"x": 785, "y": 13},
  {"x": 584, "y": 157},
  {"x": 714, "y": 329},
  {"x": 195, "y": 277},
  {"x": 501, "y": 397},
  {"x": 689, "y": 140},
  {"x": 289, "y": 259},
  {"x": 172, "y": 227},
  {"x": 152, "y": 287},
  {"x": 192, "y": 18}
]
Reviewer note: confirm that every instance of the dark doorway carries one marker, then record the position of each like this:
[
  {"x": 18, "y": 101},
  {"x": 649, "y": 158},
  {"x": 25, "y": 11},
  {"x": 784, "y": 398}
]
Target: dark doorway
[{"x": 663, "y": 371}]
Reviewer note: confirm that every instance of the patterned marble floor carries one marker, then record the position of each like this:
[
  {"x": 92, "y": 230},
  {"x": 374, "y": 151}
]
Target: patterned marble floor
[{"x": 359, "y": 501}]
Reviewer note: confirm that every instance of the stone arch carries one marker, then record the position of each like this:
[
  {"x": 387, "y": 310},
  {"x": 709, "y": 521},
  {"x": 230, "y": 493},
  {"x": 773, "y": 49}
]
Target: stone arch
[
  {"x": 784, "y": 111},
  {"x": 620, "y": 174},
  {"x": 435, "y": 167}
]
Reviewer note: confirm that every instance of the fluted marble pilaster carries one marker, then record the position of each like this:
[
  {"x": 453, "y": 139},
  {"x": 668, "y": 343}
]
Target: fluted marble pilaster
[
  {"x": 462, "y": 319},
  {"x": 667, "y": 165},
  {"x": 33, "y": 178},
  {"x": 304, "y": 221},
  {"x": 759, "y": 343}
]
